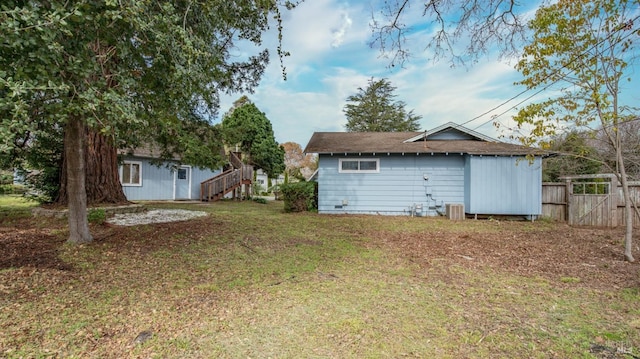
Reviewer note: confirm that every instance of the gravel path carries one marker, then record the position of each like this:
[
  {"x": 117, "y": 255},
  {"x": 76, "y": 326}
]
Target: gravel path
[{"x": 154, "y": 216}]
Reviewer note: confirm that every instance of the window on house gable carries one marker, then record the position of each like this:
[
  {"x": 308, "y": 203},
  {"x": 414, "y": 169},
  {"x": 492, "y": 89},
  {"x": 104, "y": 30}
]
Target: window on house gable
[
  {"x": 131, "y": 173},
  {"x": 369, "y": 165}
]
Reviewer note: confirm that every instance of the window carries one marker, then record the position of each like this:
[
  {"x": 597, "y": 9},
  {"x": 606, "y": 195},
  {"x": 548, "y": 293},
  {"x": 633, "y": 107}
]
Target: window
[
  {"x": 182, "y": 173},
  {"x": 591, "y": 188},
  {"x": 131, "y": 173},
  {"x": 368, "y": 165}
]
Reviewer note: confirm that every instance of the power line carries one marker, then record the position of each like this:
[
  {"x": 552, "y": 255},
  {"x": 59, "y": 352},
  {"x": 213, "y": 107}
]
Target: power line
[{"x": 625, "y": 26}]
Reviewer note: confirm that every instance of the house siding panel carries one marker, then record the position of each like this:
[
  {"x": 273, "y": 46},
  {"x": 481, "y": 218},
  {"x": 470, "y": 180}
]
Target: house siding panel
[
  {"x": 398, "y": 186},
  {"x": 467, "y": 183},
  {"x": 199, "y": 175},
  {"x": 500, "y": 185},
  {"x": 157, "y": 181}
]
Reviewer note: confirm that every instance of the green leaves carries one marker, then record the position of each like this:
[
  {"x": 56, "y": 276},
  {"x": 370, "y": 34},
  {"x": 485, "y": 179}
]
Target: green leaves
[
  {"x": 581, "y": 46},
  {"x": 123, "y": 65},
  {"x": 249, "y": 128},
  {"x": 579, "y": 157},
  {"x": 374, "y": 109}
]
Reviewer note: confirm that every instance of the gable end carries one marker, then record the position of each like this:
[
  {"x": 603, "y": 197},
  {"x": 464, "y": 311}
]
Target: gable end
[{"x": 450, "y": 132}]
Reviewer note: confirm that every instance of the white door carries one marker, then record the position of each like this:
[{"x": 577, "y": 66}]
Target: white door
[{"x": 182, "y": 183}]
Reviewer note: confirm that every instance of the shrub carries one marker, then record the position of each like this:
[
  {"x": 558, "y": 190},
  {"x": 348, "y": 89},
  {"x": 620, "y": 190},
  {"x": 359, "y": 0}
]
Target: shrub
[
  {"x": 97, "y": 215},
  {"x": 12, "y": 189},
  {"x": 299, "y": 196},
  {"x": 6, "y": 189},
  {"x": 260, "y": 200},
  {"x": 6, "y": 177}
]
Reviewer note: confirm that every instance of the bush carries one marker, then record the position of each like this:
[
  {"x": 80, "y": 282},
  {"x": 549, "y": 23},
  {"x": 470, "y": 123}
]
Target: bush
[
  {"x": 6, "y": 189},
  {"x": 97, "y": 216},
  {"x": 260, "y": 200},
  {"x": 12, "y": 189},
  {"x": 6, "y": 177},
  {"x": 299, "y": 196}
]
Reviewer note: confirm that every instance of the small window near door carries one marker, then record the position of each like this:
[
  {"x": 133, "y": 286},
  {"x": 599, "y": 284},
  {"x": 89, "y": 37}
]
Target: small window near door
[
  {"x": 131, "y": 173},
  {"x": 369, "y": 165},
  {"x": 182, "y": 173}
]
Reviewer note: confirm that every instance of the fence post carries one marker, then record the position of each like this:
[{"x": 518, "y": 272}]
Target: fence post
[{"x": 567, "y": 198}]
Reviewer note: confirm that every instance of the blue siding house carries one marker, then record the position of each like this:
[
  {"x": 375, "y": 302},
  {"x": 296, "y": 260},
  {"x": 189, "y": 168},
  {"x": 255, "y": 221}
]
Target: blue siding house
[
  {"x": 144, "y": 180},
  {"x": 419, "y": 173}
]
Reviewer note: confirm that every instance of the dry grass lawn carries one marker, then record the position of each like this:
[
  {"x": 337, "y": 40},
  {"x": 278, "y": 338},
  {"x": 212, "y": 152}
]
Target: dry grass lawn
[{"x": 249, "y": 281}]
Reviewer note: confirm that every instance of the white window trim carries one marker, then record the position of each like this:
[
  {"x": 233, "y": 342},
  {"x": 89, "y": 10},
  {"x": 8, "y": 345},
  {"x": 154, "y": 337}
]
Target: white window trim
[
  {"x": 377, "y": 161},
  {"x": 139, "y": 163}
]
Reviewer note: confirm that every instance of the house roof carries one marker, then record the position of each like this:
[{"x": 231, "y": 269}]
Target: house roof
[
  {"x": 413, "y": 142},
  {"x": 139, "y": 152},
  {"x": 452, "y": 127},
  {"x": 146, "y": 151}
]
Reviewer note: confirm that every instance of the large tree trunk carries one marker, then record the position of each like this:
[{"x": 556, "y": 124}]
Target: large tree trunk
[
  {"x": 102, "y": 179},
  {"x": 74, "y": 136}
]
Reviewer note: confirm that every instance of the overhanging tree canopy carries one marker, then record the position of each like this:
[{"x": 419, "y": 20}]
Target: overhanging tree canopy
[
  {"x": 133, "y": 71},
  {"x": 462, "y": 30}
]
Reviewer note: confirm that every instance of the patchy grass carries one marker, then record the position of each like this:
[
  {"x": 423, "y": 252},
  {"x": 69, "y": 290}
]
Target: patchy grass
[
  {"x": 15, "y": 205},
  {"x": 251, "y": 281}
]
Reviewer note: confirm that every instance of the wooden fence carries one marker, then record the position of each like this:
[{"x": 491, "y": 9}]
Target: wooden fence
[{"x": 599, "y": 204}]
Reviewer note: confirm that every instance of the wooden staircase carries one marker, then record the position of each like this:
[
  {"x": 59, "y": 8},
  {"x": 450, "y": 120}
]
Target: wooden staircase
[{"x": 228, "y": 181}]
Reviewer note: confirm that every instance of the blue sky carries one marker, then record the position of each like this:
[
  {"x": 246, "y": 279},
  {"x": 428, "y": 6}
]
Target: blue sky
[{"x": 330, "y": 58}]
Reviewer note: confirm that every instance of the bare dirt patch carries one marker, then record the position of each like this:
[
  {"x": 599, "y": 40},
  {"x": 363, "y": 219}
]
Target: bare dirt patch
[
  {"x": 24, "y": 245},
  {"x": 591, "y": 257}
]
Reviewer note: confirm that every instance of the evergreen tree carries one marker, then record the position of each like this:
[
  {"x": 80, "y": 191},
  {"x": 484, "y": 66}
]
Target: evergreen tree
[
  {"x": 373, "y": 109},
  {"x": 250, "y": 129}
]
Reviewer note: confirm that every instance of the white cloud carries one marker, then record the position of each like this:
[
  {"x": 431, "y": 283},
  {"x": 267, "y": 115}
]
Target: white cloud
[
  {"x": 339, "y": 34},
  {"x": 442, "y": 94},
  {"x": 314, "y": 27},
  {"x": 330, "y": 59}
]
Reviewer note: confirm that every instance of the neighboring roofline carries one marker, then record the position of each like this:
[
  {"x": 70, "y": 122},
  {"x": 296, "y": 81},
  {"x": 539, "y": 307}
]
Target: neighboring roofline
[
  {"x": 144, "y": 154},
  {"x": 455, "y": 126}
]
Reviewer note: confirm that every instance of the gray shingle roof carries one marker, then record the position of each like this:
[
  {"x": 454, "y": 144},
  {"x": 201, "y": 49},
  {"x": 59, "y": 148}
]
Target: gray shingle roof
[{"x": 393, "y": 142}]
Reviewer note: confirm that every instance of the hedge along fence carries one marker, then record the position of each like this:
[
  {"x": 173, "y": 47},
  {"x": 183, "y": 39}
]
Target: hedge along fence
[{"x": 299, "y": 196}]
